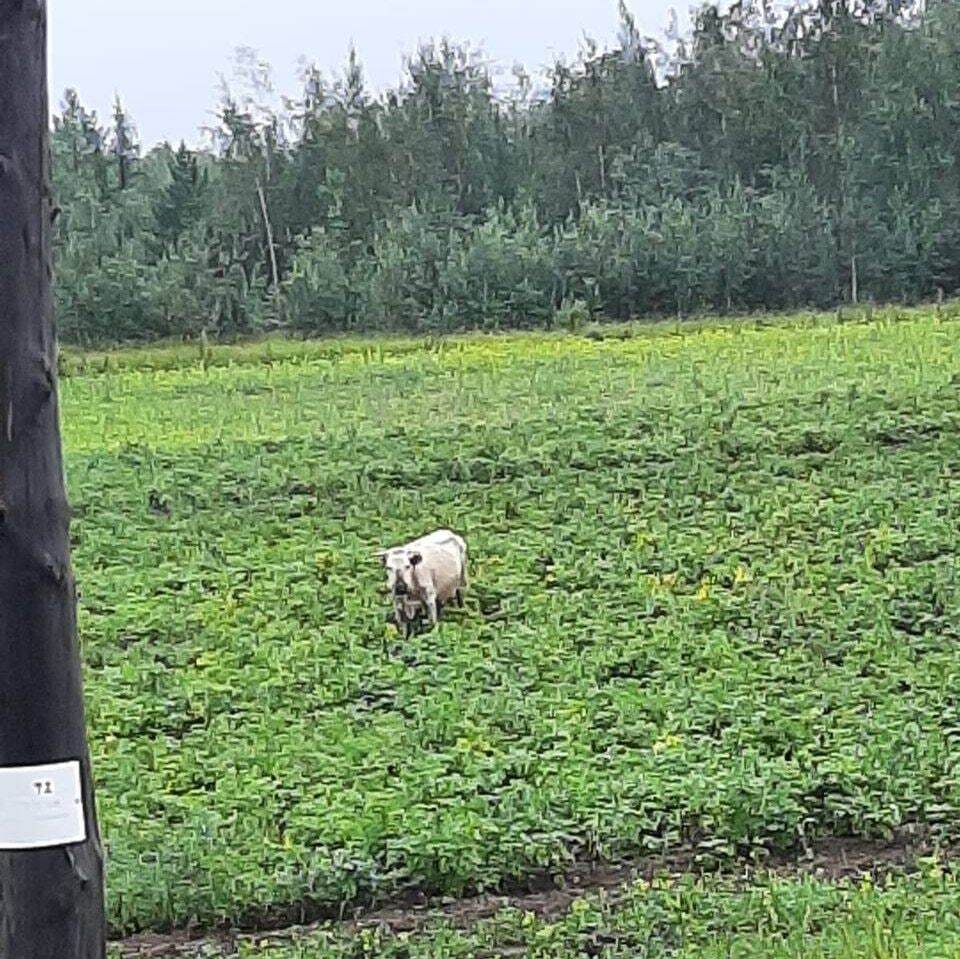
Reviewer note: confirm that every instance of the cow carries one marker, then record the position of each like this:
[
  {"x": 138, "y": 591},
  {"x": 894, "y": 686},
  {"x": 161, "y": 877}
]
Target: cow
[{"x": 424, "y": 575}]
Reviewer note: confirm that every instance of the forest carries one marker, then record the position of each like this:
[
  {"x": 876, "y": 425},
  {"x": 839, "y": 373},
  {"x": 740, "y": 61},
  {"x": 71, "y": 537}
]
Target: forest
[{"x": 772, "y": 159}]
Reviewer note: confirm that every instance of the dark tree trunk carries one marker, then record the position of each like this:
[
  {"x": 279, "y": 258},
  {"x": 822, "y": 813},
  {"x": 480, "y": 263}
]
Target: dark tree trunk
[{"x": 51, "y": 899}]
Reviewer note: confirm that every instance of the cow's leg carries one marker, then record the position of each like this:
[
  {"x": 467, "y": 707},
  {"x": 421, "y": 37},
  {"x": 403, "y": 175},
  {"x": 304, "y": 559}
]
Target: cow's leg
[
  {"x": 431, "y": 603},
  {"x": 402, "y": 620}
]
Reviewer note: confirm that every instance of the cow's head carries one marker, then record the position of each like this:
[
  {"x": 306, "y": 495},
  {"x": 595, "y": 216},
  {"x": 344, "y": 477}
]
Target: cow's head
[{"x": 401, "y": 565}]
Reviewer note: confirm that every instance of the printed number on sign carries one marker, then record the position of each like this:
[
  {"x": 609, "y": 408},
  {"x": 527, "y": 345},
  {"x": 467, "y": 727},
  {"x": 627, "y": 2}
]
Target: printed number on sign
[{"x": 41, "y": 806}]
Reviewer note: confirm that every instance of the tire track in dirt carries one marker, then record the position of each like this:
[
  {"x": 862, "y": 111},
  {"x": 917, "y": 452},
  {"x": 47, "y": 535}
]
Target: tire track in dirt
[{"x": 832, "y": 860}]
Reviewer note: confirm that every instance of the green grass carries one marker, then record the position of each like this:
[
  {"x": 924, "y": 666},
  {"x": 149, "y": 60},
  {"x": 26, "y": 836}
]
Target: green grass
[
  {"x": 898, "y": 918},
  {"x": 271, "y": 349},
  {"x": 715, "y": 602}
]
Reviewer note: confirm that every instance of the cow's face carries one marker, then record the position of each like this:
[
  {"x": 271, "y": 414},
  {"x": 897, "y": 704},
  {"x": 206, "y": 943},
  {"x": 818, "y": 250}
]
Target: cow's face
[{"x": 401, "y": 565}]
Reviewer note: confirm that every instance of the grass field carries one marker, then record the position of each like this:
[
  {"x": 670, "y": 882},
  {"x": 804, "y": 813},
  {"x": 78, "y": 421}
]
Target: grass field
[
  {"x": 714, "y": 604},
  {"x": 906, "y": 918}
]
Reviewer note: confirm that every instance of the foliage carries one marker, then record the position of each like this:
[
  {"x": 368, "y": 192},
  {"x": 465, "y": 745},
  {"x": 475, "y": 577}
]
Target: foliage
[
  {"x": 806, "y": 157},
  {"x": 317, "y": 292},
  {"x": 714, "y": 582},
  {"x": 772, "y": 917}
]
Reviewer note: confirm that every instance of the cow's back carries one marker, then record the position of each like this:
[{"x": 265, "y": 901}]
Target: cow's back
[{"x": 443, "y": 563}]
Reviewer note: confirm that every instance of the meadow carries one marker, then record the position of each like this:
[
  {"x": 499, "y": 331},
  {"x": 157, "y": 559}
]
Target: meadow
[
  {"x": 911, "y": 917},
  {"x": 714, "y": 608}
]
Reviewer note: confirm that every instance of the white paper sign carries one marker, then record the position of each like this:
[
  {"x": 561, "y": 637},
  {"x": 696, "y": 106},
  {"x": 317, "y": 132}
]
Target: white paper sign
[{"x": 41, "y": 806}]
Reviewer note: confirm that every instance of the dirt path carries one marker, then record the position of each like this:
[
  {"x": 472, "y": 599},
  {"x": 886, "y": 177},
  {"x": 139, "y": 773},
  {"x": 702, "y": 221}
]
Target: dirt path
[{"x": 829, "y": 859}]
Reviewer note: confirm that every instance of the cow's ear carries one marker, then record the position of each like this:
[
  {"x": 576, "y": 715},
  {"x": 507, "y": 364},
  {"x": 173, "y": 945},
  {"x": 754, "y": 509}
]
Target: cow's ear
[
  {"x": 416, "y": 559},
  {"x": 381, "y": 555}
]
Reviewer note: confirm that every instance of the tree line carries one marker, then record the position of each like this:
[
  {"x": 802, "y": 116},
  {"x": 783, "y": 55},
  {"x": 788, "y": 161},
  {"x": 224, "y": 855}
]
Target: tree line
[{"x": 772, "y": 159}]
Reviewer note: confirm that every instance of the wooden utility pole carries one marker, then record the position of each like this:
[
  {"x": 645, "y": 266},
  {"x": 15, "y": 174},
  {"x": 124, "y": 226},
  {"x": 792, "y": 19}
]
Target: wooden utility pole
[{"x": 51, "y": 863}]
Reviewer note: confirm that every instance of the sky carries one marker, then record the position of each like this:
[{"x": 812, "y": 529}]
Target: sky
[{"x": 165, "y": 57}]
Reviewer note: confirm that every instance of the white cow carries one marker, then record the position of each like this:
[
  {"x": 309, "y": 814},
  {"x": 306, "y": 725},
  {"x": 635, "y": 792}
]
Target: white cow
[{"x": 425, "y": 574}]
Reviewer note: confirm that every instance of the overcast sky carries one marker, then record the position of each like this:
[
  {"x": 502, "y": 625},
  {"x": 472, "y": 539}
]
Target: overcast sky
[{"x": 164, "y": 56}]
